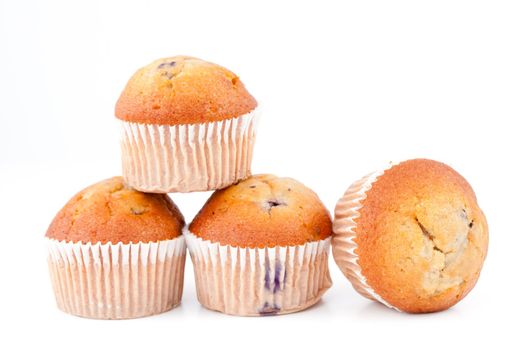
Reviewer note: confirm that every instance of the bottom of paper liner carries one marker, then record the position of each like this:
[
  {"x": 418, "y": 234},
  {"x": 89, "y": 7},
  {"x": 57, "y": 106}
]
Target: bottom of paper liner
[
  {"x": 343, "y": 243},
  {"x": 259, "y": 281},
  {"x": 188, "y": 157},
  {"x": 117, "y": 281}
]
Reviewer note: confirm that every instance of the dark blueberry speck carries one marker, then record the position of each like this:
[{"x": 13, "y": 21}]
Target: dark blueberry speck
[
  {"x": 268, "y": 310},
  {"x": 166, "y": 64},
  {"x": 274, "y": 203}
]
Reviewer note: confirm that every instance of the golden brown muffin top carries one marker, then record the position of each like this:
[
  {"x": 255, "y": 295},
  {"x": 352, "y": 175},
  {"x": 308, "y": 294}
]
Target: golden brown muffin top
[
  {"x": 421, "y": 236},
  {"x": 110, "y": 211},
  {"x": 183, "y": 90},
  {"x": 263, "y": 211}
]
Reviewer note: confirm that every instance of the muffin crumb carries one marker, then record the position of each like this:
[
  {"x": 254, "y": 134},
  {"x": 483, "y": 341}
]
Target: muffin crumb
[{"x": 137, "y": 210}]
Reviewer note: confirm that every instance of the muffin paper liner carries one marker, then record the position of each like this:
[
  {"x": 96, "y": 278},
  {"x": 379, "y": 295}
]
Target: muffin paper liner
[
  {"x": 116, "y": 281},
  {"x": 343, "y": 243},
  {"x": 188, "y": 157},
  {"x": 259, "y": 281}
]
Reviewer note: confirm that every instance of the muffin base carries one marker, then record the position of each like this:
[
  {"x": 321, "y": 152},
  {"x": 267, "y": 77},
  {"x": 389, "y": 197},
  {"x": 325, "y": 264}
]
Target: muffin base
[
  {"x": 188, "y": 157},
  {"x": 343, "y": 244},
  {"x": 259, "y": 281},
  {"x": 117, "y": 281}
]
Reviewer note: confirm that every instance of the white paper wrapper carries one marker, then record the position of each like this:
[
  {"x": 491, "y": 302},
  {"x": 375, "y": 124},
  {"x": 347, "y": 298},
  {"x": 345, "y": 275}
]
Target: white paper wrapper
[
  {"x": 116, "y": 281},
  {"x": 343, "y": 243},
  {"x": 188, "y": 157},
  {"x": 259, "y": 281}
]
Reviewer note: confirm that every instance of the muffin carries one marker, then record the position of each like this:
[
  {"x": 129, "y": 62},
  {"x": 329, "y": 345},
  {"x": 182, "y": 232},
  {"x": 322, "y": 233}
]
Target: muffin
[
  {"x": 260, "y": 247},
  {"x": 411, "y": 237},
  {"x": 116, "y": 253},
  {"x": 187, "y": 125}
]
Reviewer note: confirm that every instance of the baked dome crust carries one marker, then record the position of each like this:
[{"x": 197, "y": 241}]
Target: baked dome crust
[
  {"x": 183, "y": 90},
  {"x": 263, "y": 211},
  {"x": 421, "y": 236},
  {"x": 110, "y": 211}
]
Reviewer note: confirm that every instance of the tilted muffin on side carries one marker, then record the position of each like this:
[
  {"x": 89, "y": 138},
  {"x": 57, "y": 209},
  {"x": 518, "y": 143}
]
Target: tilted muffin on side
[
  {"x": 117, "y": 253},
  {"x": 260, "y": 247},
  {"x": 188, "y": 125},
  {"x": 411, "y": 237}
]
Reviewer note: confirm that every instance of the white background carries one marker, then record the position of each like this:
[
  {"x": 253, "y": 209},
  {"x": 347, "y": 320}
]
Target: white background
[{"x": 345, "y": 87}]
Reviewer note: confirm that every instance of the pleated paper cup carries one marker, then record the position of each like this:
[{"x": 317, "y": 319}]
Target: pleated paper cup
[
  {"x": 343, "y": 244},
  {"x": 259, "y": 281},
  {"x": 117, "y": 281},
  {"x": 188, "y": 157}
]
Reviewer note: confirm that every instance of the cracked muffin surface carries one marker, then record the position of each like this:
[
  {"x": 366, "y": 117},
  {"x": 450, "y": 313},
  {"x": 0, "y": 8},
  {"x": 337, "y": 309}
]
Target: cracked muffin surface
[
  {"x": 183, "y": 90},
  {"x": 421, "y": 236},
  {"x": 110, "y": 211},
  {"x": 263, "y": 211}
]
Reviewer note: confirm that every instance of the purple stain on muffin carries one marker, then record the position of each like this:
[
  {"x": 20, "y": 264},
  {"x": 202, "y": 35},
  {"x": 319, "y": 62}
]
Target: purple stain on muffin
[
  {"x": 167, "y": 64},
  {"x": 269, "y": 309},
  {"x": 267, "y": 271},
  {"x": 276, "y": 279}
]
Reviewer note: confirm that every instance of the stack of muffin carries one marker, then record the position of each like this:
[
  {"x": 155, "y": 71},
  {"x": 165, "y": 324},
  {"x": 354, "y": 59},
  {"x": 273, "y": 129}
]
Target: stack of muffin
[
  {"x": 411, "y": 236},
  {"x": 259, "y": 246}
]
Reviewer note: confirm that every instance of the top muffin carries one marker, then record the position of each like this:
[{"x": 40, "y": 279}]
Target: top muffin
[
  {"x": 263, "y": 211},
  {"x": 183, "y": 90},
  {"x": 110, "y": 211}
]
